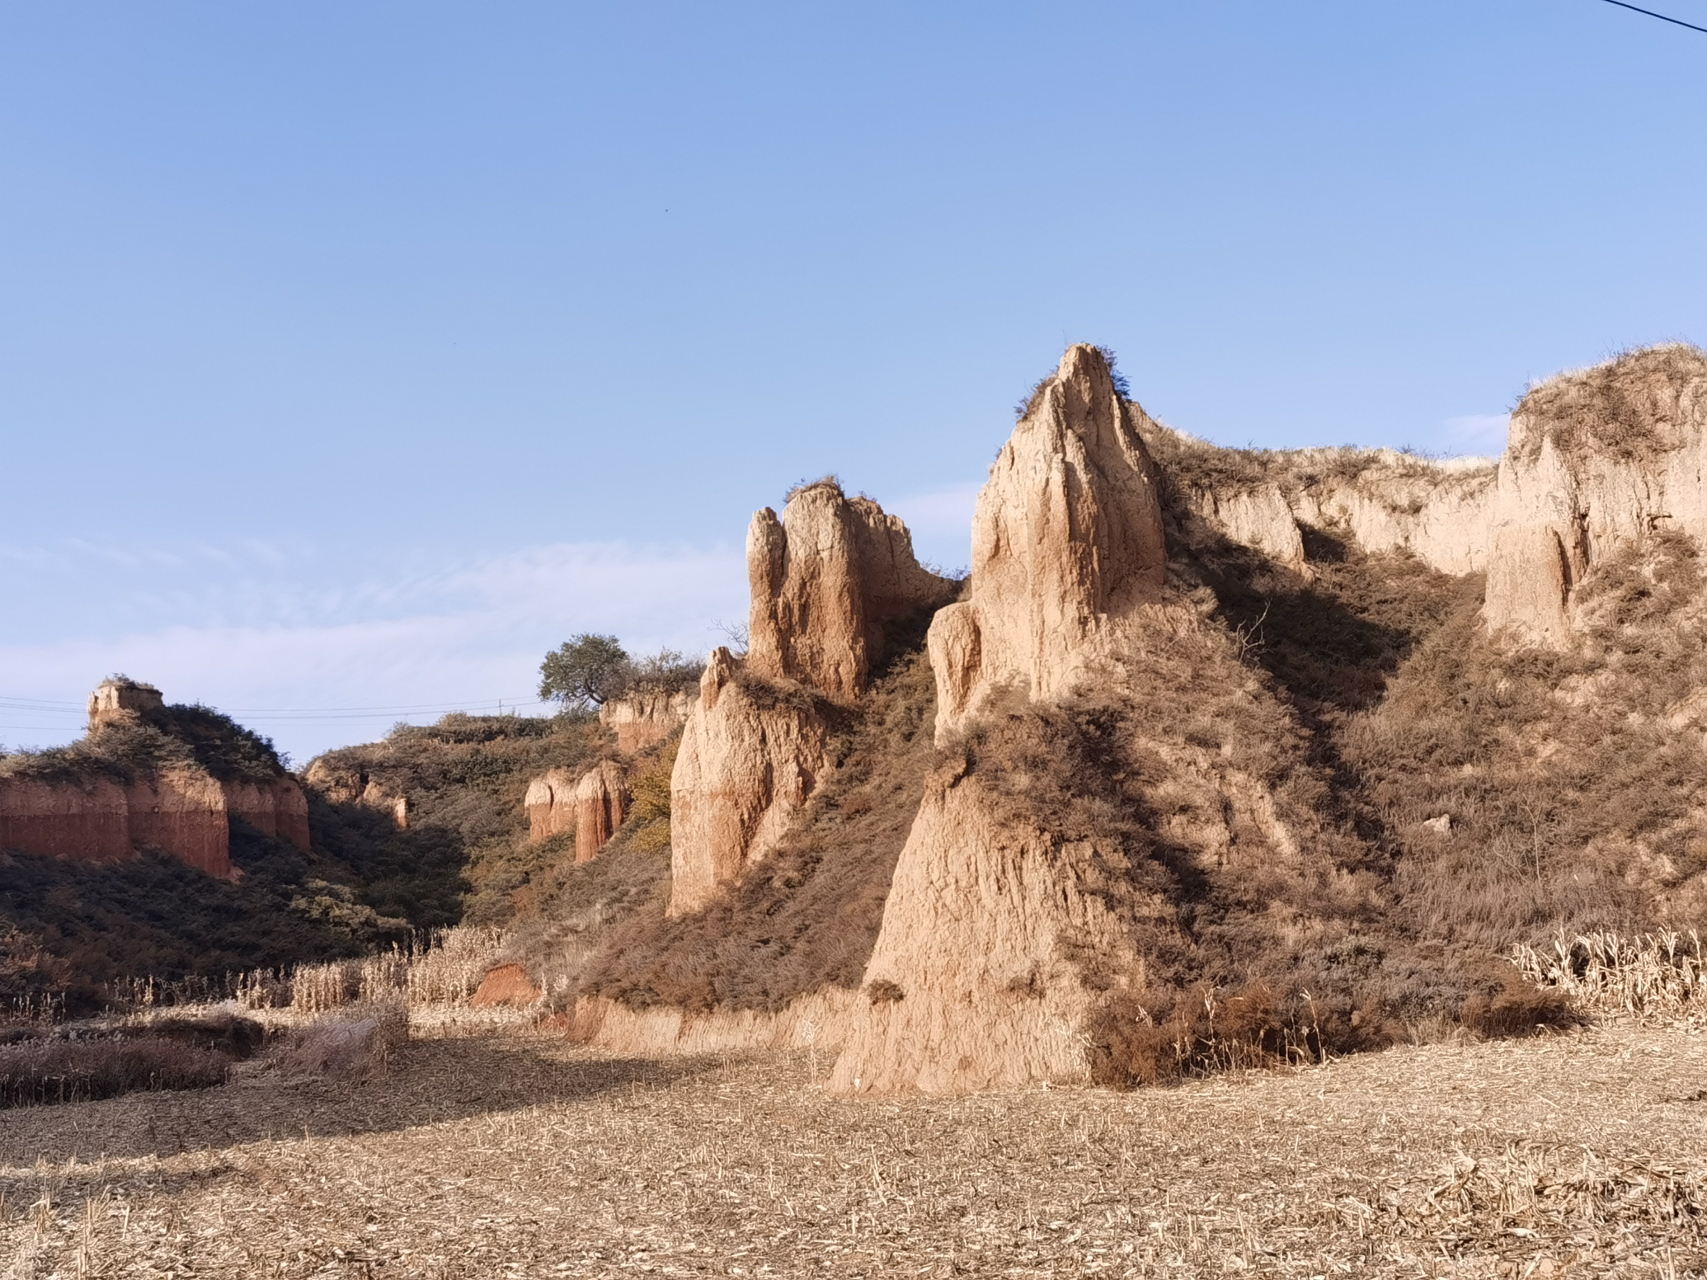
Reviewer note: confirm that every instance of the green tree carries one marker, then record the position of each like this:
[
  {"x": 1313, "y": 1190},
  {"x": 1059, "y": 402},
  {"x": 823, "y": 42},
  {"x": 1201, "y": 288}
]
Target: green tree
[{"x": 585, "y": 671}]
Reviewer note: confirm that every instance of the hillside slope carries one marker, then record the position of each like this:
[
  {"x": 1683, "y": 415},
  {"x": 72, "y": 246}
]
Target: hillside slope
[{"x": 1295, "y": 794}]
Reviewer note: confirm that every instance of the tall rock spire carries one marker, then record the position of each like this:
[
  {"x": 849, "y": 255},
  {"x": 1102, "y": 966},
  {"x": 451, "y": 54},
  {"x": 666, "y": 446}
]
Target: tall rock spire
[{"x": 1066, "y": 543}]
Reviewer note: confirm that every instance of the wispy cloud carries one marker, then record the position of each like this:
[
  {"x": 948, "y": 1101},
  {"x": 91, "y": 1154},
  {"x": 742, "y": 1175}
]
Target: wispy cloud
[{"x": 263, "y": 631}]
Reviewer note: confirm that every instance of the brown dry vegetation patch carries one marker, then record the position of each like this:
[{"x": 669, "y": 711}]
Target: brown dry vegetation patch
[
  {"x": 1578, "y": 1155},
  {"x": 808, "y": 915},
  {"x": 1633, "y": 406},
  {"x": 1188, "y": 463},
  {"x": 1575, "y": 800}
]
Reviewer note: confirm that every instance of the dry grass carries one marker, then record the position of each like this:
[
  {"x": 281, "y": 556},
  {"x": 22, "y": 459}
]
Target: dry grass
[
  {"x": 55, "y": 1069},
  {"x": 1577, "y": 1155},
  {"x": 1574, "y": 791},
  {"x": 352, "y": 1044},
  {"x": 1384, "y": 475},
  {"x": 1649, "y": 976},
  {"x": 446, "y": 969},
  {"x": 1636, "y": 405}
]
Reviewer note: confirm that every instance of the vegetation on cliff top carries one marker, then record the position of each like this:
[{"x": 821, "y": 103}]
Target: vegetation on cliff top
[{"x": 152, "y": 742}]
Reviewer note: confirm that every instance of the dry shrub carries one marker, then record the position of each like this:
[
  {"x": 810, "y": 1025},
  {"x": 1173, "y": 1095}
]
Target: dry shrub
[
  {"x": 1518, "y": 1009},
  {"x": 55, "y": 1069},
  {"x": 1198, "y": 1032},
  {"x": 34, "y": 981},
  {"x": 352, "y": 1044},
  {"x": 236, "y": 1037}
]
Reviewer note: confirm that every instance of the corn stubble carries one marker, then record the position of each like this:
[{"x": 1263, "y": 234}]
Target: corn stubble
[{"x": 517, "y": 1154}]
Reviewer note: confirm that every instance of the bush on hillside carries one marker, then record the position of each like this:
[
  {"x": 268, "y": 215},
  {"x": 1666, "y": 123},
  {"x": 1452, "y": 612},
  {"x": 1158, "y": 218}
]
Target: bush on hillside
[{"x": 156, "y": 916}]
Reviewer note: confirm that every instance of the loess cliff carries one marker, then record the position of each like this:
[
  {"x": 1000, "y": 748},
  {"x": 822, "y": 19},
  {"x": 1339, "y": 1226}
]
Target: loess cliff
[
  {"x": 148, "y": 776},
  {"x": 169, "y": 843},
  {"x": 1216, "y": 757},
  {"x": 1219, "y": 756}
]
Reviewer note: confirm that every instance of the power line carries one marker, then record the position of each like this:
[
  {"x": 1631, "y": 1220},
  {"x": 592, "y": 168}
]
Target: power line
[
  {"x": 1679, "y": 22},
  {"x": 413, "y": 708}
]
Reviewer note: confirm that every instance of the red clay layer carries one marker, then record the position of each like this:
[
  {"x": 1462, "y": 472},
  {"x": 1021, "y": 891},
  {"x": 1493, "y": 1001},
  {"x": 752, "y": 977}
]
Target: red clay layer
[{"x": 186, "y": 814}]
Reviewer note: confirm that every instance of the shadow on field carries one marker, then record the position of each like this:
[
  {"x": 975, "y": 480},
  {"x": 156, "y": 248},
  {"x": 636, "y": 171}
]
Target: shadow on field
[{"x": 430, "y": 1081}]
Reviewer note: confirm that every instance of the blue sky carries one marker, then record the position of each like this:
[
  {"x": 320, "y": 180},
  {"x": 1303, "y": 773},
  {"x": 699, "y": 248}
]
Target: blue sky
[{"x": 350, "y": 356}]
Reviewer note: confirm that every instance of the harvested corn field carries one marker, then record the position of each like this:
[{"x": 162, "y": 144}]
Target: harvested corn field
[{"x": 1579, "y": 1155}]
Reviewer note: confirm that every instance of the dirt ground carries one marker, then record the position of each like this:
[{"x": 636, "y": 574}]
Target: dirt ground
[{"x": 516, "y": 1155}]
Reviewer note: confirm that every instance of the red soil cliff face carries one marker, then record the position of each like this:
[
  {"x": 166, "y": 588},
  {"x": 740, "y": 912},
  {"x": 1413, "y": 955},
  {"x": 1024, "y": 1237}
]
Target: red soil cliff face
[
  {"x": 550, "y": 804},
  {"x": 180, "y": 809},
  {"x": 89, "y": 822},
  {"x": 592, "y": 806},
  {"x": 182, "y": 813},
  {"x": 185, "y": 815},
  {"x": 278, "y": 808},
  {"x": 601, "y": 803}
]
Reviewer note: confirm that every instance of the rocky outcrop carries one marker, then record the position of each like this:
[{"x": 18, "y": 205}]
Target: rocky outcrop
[
  {"x": 1066, "y": 545},
  {"x": 645, "y": 717},
  {"x": 1376, "y": 500},
  {"x": 277, "y": 808},
  {"x": 751, "y": 753},
  {"x": 1013, "y": 922},
  {"x": 1597, "y": 462},
  {"x": 601, "y": 803},
  {"x": 591, "y": 805},
  {"x": 978, "y": 976},
  {"x": 550, "y": 804},
  {"x": 120, "y": 698},
  {"x": 1441, "y": 511},
  {"x": 972, "y": 984},
  {"x": 826, "y": 579},
  {"x": 1258, "y": 518},
  {"x": 342, "y": 782}
]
